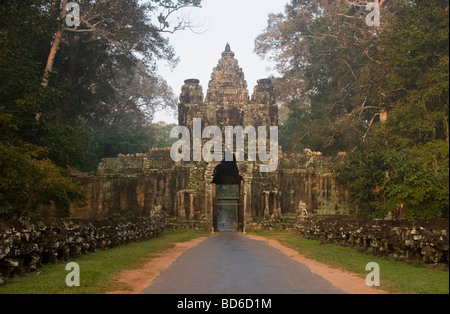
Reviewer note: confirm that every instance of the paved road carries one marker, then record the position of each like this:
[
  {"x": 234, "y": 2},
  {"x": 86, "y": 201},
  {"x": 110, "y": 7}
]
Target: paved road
[{"x": 230, "y": 263}]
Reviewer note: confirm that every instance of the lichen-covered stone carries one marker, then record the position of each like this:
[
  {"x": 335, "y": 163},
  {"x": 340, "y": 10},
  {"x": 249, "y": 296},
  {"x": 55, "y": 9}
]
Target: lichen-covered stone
[
  {"x": 417, "y": 241},
  {"x": 56, "y": 240}
]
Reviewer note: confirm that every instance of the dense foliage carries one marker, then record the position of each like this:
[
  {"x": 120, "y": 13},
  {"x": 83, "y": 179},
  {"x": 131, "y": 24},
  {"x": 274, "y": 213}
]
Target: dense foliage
[
  {"x": 380, "y": 94},
  {"x": 70, "y": 96}
]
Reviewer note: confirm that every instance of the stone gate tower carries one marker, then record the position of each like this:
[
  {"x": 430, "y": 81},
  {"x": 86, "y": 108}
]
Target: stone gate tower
[
  {"x": 226, "y": 195},
  {"x": 230, "y": 193},
  {"x": 227, "y": 100}
]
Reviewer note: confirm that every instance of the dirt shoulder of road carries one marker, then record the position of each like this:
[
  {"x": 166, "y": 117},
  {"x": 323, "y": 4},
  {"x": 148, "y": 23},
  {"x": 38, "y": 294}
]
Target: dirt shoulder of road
[
  {"x": 141, "y": 278},
  {"x": 349, "y": 282}
]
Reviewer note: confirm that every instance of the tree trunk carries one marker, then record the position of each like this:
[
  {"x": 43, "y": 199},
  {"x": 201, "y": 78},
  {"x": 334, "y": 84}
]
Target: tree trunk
[
  {"x": 383, "y": 116},
  {"x": 70, "y": 72},
  {"x": 446, "y": 131},
  {"x": 55, "y": 45}
]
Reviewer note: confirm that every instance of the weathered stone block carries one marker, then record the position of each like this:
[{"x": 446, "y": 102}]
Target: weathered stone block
[
  {"x": 419, "y": 241},
  {"x": 48, "y": 241}
]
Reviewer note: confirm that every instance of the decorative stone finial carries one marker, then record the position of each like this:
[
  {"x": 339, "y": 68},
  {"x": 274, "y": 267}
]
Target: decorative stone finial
[
  {"x": 228, "y": 53},
  {"x": 192, "y": 81}
]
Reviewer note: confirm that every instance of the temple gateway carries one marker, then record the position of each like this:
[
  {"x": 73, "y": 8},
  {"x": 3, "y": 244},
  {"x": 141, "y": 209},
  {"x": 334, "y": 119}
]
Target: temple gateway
[{"x": 225, "y": 195}]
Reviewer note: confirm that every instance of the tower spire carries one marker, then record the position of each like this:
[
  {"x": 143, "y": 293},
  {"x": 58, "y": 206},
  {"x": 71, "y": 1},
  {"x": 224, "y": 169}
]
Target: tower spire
[
  {"x": 228, "y": 53},
  {"x": 227, "y": 83}
]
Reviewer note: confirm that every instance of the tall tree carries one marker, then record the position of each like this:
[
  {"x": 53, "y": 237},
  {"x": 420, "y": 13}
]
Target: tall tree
[
  {"x": 57, "y": 39},
  {"x": 121, "y": 40},
  {"x": 328, "y": 56},
  {"x": 124, "y": 23},
  {"x": 344, "y": 76},
  {"x": 99, "y": 80},
  {"x": 404, "y": 163},
  {"x": 97, "y": 75}
]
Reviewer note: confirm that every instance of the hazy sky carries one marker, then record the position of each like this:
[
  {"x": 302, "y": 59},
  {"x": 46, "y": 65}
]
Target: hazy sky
[{"x": 237, "y": 22}]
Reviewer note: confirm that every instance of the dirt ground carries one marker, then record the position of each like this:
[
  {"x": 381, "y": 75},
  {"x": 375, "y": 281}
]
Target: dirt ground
[{"x": 141, "y": 278}]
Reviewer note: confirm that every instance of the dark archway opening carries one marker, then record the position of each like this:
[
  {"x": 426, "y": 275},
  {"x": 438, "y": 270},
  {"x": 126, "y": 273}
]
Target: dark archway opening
[{"x": 228, "y": 208}]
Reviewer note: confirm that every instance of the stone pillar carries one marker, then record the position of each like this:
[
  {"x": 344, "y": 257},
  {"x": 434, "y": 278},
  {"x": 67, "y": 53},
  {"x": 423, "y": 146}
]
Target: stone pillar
[
  {"x": 246, "y": 172},
  {"x": 277, "y": 205},
  {"x": 266, "y": 204},
  {"x": 247, "y": 186},
  {"x": 180, "y": 205},
  {"x": 191, "y": 207},
  {"x": 209, "y": 191}
]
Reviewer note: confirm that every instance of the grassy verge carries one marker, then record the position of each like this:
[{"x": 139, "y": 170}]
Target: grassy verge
[
  {"x": 395, "y": 277},
  {"x": 97, "y": 270}
]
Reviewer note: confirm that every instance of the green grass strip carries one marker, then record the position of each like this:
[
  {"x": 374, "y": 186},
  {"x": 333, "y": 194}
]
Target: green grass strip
[
  {"x": 395, "y": 277},
  {"x": 97, "y": 270}
]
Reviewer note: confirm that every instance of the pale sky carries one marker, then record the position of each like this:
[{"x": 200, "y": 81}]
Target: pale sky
[{"x": 237, "y": 22}]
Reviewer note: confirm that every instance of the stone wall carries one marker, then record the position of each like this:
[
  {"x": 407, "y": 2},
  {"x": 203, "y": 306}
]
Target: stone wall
[
  {"x": 177, "y": 224},
  {"x": 308, "y": 177},
  {"x": 131, "y": 184},
  {"x": 26, "y": 245},
  {"x": 138, "y": 183},
  {"x": 414, "y": 241}
]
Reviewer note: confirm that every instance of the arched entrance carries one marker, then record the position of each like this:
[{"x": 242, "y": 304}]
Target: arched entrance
[{"x": 228, "y": 214}]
